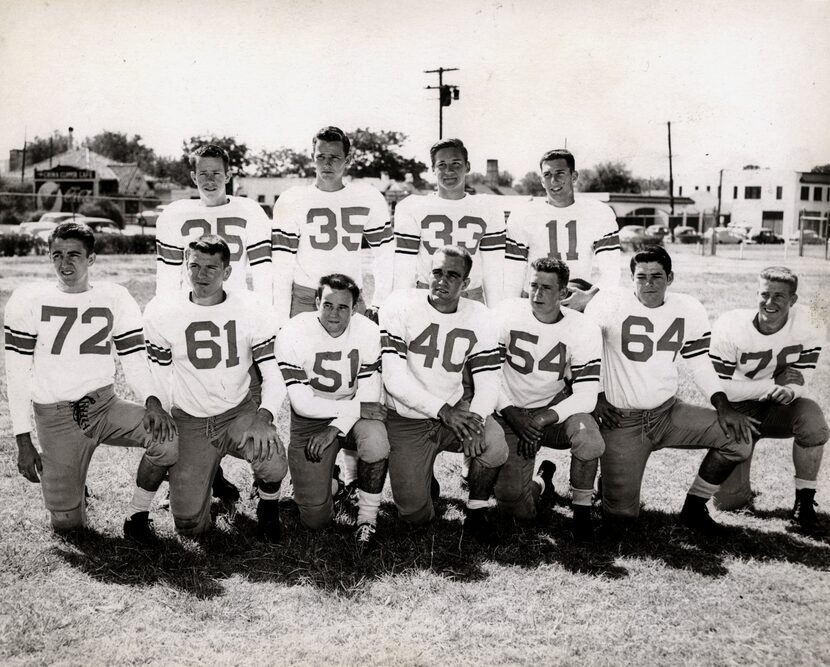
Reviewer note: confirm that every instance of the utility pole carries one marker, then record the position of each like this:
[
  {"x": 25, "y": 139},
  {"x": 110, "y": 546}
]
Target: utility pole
[
  {"x": 717, "y": 216},
  {"x": 671, "y": 175},
  {"x": 446, "y": 94},
  {"x": 23, "y": 157}
]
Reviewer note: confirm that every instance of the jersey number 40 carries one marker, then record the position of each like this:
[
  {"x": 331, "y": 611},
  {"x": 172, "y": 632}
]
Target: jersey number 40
[{"x": 426, "y": 343}]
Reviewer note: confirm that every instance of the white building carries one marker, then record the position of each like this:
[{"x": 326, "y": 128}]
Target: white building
[{"x": 763, "y": 198}]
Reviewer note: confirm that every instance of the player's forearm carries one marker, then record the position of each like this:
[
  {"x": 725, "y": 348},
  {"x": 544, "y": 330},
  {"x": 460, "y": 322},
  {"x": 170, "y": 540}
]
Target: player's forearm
[
  {"x": 583, "y": 400},
  {"x": 307, "y": 404},
  {"x": 747, "y": 390},
  {"x": 19, "y": 389},
  {"x": 486, "y": 397},
  {"x": 263, "y": 279},
  {"x": 137, "y": 374},
  {"x": 384, "y": 268},
  {"x": 273, "y": 387},
  {"x": 400, "y": 383},
  {"x": 405, "y": 268},
  {"x": 370, "y": 390},
  {"x": 705, "y": 377},
  {"x": 608, "y": 269}
]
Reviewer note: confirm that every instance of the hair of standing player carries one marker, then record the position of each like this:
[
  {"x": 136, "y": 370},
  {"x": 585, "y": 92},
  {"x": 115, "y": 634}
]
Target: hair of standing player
[
  {"x": 447, "y": 143},
  {"x": 781, "y": 274},
  {"x": 559, "y": 154},
  {"x": 210, "y": 150},
  {"x": 332, "y": 133}
]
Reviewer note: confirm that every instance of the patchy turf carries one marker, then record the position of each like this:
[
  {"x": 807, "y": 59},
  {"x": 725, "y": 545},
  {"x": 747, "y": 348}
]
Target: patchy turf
[{"x": 430, "y": 596}]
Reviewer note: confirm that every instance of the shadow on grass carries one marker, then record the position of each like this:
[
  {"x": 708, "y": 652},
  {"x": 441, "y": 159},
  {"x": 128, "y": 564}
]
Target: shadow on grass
[{"x": 327, "y": 559}]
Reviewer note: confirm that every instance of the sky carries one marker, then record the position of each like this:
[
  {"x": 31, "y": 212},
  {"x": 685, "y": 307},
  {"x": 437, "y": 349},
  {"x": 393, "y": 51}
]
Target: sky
[{"x": 741, "y": 82}]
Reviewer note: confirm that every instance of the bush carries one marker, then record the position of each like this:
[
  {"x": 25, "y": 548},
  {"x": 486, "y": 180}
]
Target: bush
[
  {"x": 116, "y": 244},
  {"x": 103, "y": 208},
  {"x": 17, "y": 244}
]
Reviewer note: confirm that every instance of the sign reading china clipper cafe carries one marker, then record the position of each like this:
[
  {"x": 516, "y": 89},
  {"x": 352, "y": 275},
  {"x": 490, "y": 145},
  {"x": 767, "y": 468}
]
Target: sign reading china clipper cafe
[{"x": 58, "y": 186}]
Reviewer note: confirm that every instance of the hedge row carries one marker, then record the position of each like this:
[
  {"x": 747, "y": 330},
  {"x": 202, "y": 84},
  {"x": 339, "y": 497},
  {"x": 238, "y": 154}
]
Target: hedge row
[{"x": 105, "y": 244}]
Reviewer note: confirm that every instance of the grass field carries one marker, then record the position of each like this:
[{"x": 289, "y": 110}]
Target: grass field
[{"x": 431, "y": 596}]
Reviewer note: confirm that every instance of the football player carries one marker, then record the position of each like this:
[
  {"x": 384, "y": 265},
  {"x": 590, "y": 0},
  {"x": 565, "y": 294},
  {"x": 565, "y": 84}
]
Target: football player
[
  {"x": 61, "y": 342},
  {"x": 645, "y": 332},
  {"x": 423, "y": 225},
  {"x": 428, "y": 339},
  {"x": 330, "y": 361},
  {"x": 766, "y": 358},
  {"x": 550, "y": 380},
  {"x": 201, "y": 344},
  {"x": 240, "y": 221},
  {"x": 583, "y": 233}
]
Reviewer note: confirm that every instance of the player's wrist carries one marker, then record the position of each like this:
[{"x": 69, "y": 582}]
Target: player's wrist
[
  {"x": 264, "y": 415},
  {"x": 719, "y": 401}
]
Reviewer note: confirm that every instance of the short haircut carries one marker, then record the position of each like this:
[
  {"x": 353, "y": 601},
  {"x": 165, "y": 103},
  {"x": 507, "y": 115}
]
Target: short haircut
[
  {"x": 332, "y": 133},
  {"x": 447, "y": 143},
  {"x": 781, "y": 274},
  {"x": 339, "y": 281},
  {"x": 458, "y": 251},
  {"x": 652, "y": 253},
  {"x": 74, "y": 230},
  {"x": 211, "y": 244},
  {"x": 210, "y": 150},
  {"x": 559, "y": 154},
  {"x": 552, "y": 265}
]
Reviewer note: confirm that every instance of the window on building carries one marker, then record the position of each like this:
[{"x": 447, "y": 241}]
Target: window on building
[
  {"x": 817, "y": 193},
  {"x": 735, "y": 192},
  {"x": 805, "y": 193},
  {"x": 680, "y": 191},
  {"x": 696, "y": 188},
  {"x": 260, "y": 199},
  {"x": 708, "y": 188},
  {"x": 779, "y": 192},
  {"x": 752, "y": 192}
]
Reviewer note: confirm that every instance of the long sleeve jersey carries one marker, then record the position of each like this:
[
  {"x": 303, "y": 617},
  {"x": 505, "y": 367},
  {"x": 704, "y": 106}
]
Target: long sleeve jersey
[
  {"x": 426, "y": 224},
  {"x": 327, "y": 377},
  {"x": 316, "y": 233},
  {"x": 241, "y": 222},
  {"x": 61, "y": 346},
  {"x": 424, "y": 353},
  {"x": 541, "y": 359},
  {"x": 642, "y": 347},
  {"x": 584, "y": 235},
  {"x": 747, "y": 361},
  {"x": 200, "y": 355}
]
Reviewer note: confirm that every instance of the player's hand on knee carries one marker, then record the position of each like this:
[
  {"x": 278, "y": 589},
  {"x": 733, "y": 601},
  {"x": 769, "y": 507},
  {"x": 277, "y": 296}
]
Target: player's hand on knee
[
  {"x": 463, "y": 423},
  {"x": 789, "y": 376},
  {"x": 782, "y": 395},
  {"x": 474, "y": 446},
  {"x": 259, "y": 441},
  {"x": 528, "y": 448},
  {"x": 523, "y": 424},
  {"x": 373, "y": 411},
  {"x": 158, "y": 423},
  {"x": 606, "y": 413},
  {"x": 737, "y": 426},
  {"x": 28, "y": 458},
  {"x": 319, "y": 442}
]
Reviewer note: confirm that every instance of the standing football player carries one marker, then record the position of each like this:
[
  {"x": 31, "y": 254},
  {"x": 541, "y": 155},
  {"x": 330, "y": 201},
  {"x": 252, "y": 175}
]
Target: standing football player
[
  {"x": 550, "y": 380},
  {"x": 583, "y": 233},
  {"x": 61, "y": 342},
  {"x": 766, "y": 358},
  {"x": 201, "y": 344},
  {"x": 330, "y": 361},
  {"x": 644, "y": 331},
  {"x": 429, "y": 338},
  {"x": 424, "y": 225},
  {"x": 240, "y": 221}
]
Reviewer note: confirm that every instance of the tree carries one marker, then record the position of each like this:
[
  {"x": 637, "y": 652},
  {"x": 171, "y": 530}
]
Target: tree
[
  {"x": 238, "y": 152},
  {"x": 531, "y": 184},
  {"x": 821, "y": 169},
  {"x": 505, "y": 178},
  {"x": 653, "y": 184},
  {"x": 177, "y": 170},
  {"x": 39, "y": 149},
  {"x": 283, "y": 162},
  {"x": 751, "y": 167},
  {"x": 118, "y": 147},
  {"x": 376, "y": 152},
  {"x": 608, "y": 177}
]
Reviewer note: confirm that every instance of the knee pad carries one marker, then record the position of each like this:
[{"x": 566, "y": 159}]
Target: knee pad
[
  {"x": 810, "y": 427},
  {"x": 495, "y": 445},
  {"x": 586, "y": 441},
  {"x": 372, "y": 440},
  {"x": 735, "y": 450},
  {"x": 164, "y": 454},
  {"x": 192, "y": 526}
]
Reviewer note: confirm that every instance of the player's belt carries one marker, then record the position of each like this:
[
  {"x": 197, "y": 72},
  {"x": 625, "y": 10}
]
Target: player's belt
[
  {"x": 99, "y": 395},
  {"x": 645, "y": 413}
]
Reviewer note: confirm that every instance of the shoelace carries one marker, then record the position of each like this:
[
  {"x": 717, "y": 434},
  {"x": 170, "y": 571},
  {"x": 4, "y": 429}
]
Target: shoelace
[
  {"x": 80, "y": 411},
  {"x": 365, "y": 532}
]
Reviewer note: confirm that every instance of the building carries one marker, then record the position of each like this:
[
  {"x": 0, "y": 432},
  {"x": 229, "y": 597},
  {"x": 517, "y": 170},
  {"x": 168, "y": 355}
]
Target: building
[{"x": 763, "y": 198}]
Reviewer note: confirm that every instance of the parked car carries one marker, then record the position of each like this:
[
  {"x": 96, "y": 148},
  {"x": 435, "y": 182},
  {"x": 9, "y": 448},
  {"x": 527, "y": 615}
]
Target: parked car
[
  {"x": 657, "y": 230},
  {"x": 150, "y": 216},
  {"x": 138, "y": 230},
  {"x": 99, "y": 225},
  {"x": 810, "y": 238},
  {"x": 723, "y": 236},
  {"x": 765, "y": 236},
  {"x": 686, "y": 234},
  {"x": 56, "y": 217},
  {"x": 634, "y": 237}
]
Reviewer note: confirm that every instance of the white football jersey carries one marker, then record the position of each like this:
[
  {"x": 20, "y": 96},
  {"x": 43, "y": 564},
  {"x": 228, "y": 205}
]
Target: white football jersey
[
  {"x": 541, "y": 359},
  {"x": 60, "y": 346},
  {"x": 642, "y": 346},
  {"x": 200, "y": 355},
  {"x": 747, "y": 361},
  {"x": 584, "y": 235},
  {"x": 424, "y": 354},
  {"x": 326, "y": 377},
  {"x": 316, "y": 233},
  {"x": 426, "y": 224},
  {"x": 241, "y": 222}
]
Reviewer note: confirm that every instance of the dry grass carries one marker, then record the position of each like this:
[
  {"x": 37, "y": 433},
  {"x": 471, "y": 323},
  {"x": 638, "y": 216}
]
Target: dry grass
[{"x": 428, "y": 596}]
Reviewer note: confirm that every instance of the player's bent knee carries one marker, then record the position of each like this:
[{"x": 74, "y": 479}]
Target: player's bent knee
[
  {"x": 809, "y": 426},
  {"x": 495, "y": 445},
  {"x": 192, "y": 526},
  {"x": 736, "y": 450},
  {"x": 418, "y": 517},
  {"x": 163, "y": 455},
  {"x": 63, "y": 520},
  {"x": 316, "y": 517},
  {"x": 586, "y": 441},
  {"x": 372, "y": 440}
]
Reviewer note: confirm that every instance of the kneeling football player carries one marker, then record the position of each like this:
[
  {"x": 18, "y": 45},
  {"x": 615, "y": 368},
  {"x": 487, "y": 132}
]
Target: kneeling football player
[
  {"x": 765, "y": 358},
  {"x": 201, "y": 344},
  {"x": 550, "y": 379},
  {"x": 330, "y": 361},
  {"x": 61, "y": 342}
]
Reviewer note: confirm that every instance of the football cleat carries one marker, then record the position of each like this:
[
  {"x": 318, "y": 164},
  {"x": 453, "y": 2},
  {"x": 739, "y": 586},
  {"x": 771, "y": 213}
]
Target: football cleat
[
  {"x": 269, "y": 528},
  {"x": 695, "y": 517},
  {"x": 434, "y": 489},
  {"x": 582, "y": 525},
  {"x": 139, "y": 528},
  {"x": 804, "y": 513},
  {"x": 477, "y": 523},
  {"x": 364, "y": 537},
  {"x": 223, "y": 489},
  {"x": 546, "y": 472}
]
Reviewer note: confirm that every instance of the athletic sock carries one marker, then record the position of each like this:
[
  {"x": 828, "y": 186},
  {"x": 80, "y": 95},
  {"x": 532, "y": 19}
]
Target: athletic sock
[
  {"x": 141, "y": 502},
  {"x": 804, "y": 484},
  {"x": 582, "y": 497},
  {"x": 348, "y": 470},
  {"x": 368, "y": 505},
  {"x": 335, "y": 487},
  {"x": 703, "y": 489},
  {"x": 540, "y": 482},
  {"x": 477, "y": 504}
]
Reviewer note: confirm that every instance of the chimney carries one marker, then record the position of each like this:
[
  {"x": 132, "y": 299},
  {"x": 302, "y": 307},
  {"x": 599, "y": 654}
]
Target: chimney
[
  {"x": 492, "y": 178},
  {"x": 71, "y": 130}
]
